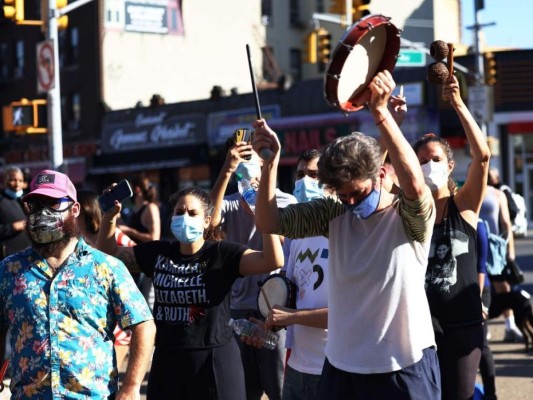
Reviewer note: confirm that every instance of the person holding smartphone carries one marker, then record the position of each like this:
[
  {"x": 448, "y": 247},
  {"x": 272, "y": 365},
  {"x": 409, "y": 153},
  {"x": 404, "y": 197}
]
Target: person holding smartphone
[
  {"x": 263, "y": 369},
  {"x": 196, "y": 356},
  {"x": 61, "y": 299}
]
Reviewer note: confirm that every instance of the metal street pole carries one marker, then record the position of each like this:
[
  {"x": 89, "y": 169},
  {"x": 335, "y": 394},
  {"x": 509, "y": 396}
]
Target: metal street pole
[
  {"x": 480, "y": 70},
  {"x": 55, "y": 129},
  {"x": 55, "y": 136}
]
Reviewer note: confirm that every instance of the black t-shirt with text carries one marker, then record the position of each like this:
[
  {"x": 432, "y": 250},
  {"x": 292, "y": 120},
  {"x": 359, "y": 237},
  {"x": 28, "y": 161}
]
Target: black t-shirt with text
[{"x": 192, "y": 292}]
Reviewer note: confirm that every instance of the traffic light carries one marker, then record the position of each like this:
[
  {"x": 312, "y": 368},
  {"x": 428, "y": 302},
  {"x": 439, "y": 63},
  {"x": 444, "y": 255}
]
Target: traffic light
[
  {"x": 310, "y": 47},
  {"x": 25, "y": 116},
  {"x": 62, "y": 22},
  {"x": 360, "y": 9},
  {"x": 12, "y": 10},
  {"x": 323, "y": 45},
  {"x": 491, "y": 70}
]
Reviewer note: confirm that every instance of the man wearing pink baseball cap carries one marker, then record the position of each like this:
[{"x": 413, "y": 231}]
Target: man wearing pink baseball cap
[
  {"x": 51, "y": 184},
  {"x": 62, "y": 299}
]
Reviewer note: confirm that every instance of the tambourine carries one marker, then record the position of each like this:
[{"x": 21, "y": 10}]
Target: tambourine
[
  {"x": 278, "y": 290},
  {"x": 370, "y": 46}
]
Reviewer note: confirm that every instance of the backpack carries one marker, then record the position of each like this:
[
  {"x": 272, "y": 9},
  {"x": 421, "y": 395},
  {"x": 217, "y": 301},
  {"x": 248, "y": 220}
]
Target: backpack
[
  {"x": 497, "y": 253},
  {"x": 513, "y": 206}
]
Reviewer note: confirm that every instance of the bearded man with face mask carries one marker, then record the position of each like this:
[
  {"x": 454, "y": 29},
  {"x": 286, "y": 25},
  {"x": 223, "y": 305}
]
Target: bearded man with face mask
[
  {"x": 61, "y": 298},
  {"x": 13, "y": 235}
]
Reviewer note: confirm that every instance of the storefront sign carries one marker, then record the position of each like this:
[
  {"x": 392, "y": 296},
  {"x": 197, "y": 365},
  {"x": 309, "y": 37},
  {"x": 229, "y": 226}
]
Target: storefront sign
[
  {"x": 147, "y": 129},
  {"x": 145, "y": 18}
]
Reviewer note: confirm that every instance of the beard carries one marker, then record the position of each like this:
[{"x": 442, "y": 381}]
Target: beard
[{"x": 54, "y": 249}]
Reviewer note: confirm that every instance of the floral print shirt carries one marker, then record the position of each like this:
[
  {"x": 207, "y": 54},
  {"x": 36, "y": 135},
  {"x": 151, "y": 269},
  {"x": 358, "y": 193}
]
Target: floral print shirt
[{"x": 62, "y": 326}]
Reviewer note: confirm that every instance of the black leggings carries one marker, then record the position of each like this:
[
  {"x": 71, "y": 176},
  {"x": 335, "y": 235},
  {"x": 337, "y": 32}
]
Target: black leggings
[
  {"x": 208, "y": 374},
  {"x": 459, "y": 352}
]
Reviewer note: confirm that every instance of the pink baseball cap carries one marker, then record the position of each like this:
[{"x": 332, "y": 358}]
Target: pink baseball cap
[{"x": 52, "y": 184}]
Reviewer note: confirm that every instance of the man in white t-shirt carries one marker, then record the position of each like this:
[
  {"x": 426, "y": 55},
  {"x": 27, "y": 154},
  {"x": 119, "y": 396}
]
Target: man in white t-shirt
[
  {"x": 380, "y": 342},
  {"x": 307, "y": 268}
]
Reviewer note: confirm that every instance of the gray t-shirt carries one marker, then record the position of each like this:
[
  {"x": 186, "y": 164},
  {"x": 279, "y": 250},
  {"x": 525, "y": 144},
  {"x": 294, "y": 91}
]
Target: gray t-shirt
[{"x": 239, "y": 225}]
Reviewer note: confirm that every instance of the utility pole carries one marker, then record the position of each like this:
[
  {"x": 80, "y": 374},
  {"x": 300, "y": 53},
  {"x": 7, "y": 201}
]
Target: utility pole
[
  {"x": 480, "y": 88},
  {"x": 55, "y": 130}
]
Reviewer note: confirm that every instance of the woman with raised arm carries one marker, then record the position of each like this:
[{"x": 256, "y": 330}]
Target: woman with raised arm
[
  {"x": 455, "y": 306},
  {"x": 196, "y": 356}
]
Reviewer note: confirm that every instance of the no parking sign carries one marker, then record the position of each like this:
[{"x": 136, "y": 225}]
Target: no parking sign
[{"x": 45, "y": 66}]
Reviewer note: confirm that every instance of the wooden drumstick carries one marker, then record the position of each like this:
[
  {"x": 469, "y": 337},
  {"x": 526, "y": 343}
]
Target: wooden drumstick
[
  {"x": 266, "y": 154},
  {"x": 384, "y": 157},
  {"x": 265, "y": 298},
  {"x": 450, "y": 59}
]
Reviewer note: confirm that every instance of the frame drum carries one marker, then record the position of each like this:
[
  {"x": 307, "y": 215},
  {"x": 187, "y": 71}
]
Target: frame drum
[{"x": 370, "y": 46}]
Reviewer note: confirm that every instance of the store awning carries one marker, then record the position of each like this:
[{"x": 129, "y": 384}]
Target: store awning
[{"x": 132, "y": 161}]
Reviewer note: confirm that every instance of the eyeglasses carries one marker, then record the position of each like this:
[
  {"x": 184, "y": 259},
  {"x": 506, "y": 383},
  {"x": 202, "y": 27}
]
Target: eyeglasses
[{"x": 55, "y": 205}]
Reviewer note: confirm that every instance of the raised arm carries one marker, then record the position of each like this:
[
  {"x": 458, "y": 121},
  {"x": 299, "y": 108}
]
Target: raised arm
[
  {"x": 258, "y": 262},
  {"x": 266, "y": 207},
  {"x": 107, "y": 243},
  {"x": 234, "y": 157},
  {"x": 471, "y": 194},
  {"x": 401, "y": 153}
]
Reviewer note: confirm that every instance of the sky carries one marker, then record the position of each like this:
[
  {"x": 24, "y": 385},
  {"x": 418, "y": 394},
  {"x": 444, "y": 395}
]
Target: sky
[{"x": 514, "y": 25}]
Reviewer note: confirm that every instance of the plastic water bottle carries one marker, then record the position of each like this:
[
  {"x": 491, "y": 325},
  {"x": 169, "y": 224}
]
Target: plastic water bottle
[
  {"x": 243, "y": 327},
  {"x": 247, "y": 191}
]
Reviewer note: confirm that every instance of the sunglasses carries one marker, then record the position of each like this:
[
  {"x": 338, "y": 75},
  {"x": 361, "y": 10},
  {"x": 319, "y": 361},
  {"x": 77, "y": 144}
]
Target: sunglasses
[{"x": 55, "y": 205}]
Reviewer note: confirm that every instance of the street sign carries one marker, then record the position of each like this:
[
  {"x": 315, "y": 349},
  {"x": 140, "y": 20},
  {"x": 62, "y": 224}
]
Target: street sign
[
  {"x": 45, "y": 66},
  {"x": 480, "y": 102},
  {"x": 411, "y": 58}
]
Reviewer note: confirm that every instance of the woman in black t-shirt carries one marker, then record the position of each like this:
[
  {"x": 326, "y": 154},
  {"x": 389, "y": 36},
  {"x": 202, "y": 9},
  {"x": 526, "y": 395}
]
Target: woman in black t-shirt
[
  {"x": 452, "y": 287},
  {"x": 195, "y": 355}
]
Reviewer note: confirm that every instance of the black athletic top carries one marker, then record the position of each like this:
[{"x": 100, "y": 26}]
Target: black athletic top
[{"x": 452, "y": 285}]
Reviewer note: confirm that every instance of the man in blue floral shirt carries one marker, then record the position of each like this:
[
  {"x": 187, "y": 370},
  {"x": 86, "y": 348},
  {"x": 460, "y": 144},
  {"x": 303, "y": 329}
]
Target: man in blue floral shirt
[{"x": 62, "y": 300}]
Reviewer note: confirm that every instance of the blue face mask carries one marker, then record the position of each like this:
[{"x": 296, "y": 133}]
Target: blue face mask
[
  {"x": 366, "y": 207},
  {"x": 187, "y": 229},
  {"x": 307, "y": 189},
  {"x": 249, "y": 170},
  {"x": 11, "y": 193}
]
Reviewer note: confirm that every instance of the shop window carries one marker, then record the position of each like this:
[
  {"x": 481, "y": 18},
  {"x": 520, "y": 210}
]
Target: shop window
[
  {"x": 296, "y": 64},
  {"x": 4, "y": 62},
  {"x": 71, "y": 113},
  {"x": 295, "y": 17},
  {"x": 266, "y": 12},
  {"x": 18, "y": 71}
]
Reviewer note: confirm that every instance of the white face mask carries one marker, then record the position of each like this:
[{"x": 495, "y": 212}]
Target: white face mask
[{"x": 435, "y": 174}]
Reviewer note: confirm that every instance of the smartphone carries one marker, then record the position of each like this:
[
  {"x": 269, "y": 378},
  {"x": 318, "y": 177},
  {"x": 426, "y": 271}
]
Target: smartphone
[
  {"x": 120, "y": 192},
  {"x": 243, "y": 135}
]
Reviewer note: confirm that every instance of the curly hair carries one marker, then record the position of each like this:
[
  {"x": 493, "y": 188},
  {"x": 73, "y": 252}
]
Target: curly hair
[
  {"x": 210, "y": 233},
  {"x": 432, "y": 138},
  {"x": 356, "y": 156}
]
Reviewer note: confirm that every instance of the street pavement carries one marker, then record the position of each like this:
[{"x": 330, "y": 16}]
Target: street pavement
[{"x": 514, "y": 367}]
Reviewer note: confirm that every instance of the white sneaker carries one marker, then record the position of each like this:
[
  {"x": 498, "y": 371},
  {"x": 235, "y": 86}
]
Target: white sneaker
[{"x": 513, "y": 335}]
